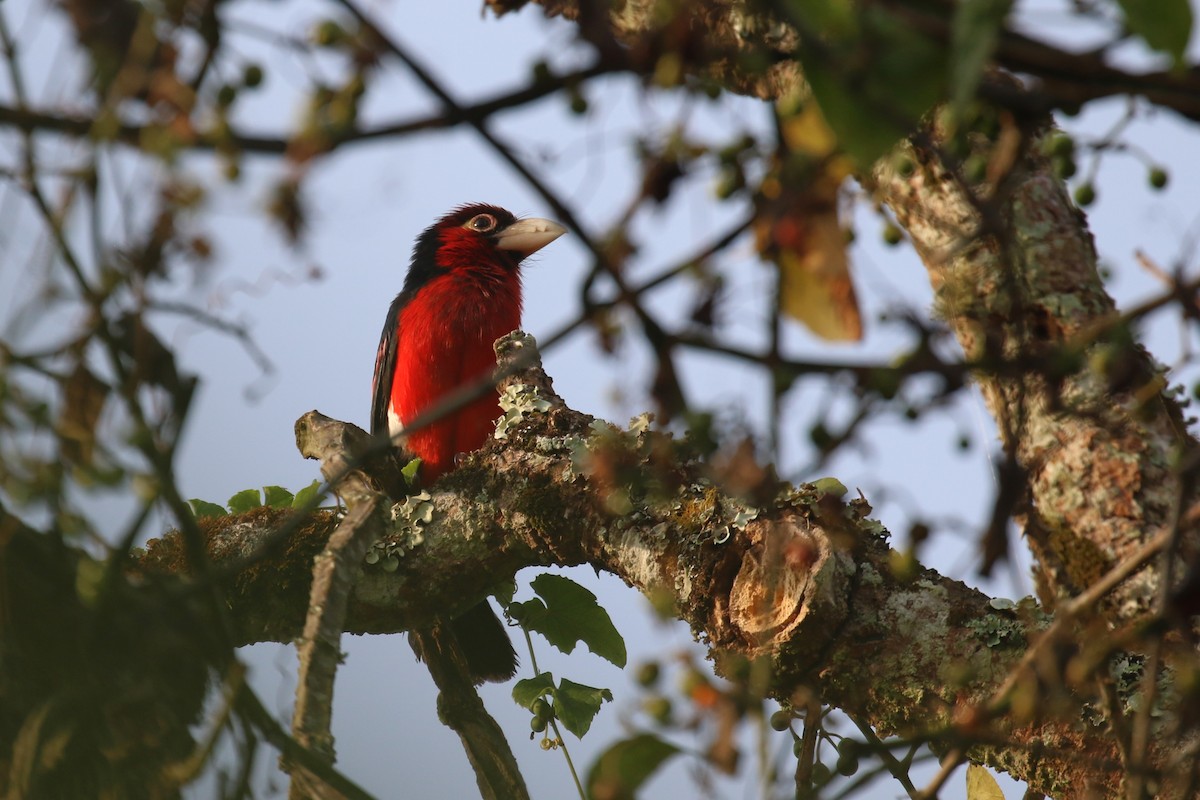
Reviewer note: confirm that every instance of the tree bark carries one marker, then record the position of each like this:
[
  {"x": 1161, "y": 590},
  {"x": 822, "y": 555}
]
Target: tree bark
[{"x": 1091, "y": 426}]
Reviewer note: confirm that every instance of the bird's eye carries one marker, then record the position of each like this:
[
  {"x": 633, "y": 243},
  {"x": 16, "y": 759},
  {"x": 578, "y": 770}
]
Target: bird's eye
[{"x": 482, "y": 223}]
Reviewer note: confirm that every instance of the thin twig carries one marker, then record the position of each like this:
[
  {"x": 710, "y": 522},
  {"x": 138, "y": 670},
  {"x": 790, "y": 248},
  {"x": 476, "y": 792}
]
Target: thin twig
[
  {"x": 952, "y": 761},
  {"x": 1069, "y": 610},
  {"x": 26, "y": 118},
  {"x": 898, "y": 770}
]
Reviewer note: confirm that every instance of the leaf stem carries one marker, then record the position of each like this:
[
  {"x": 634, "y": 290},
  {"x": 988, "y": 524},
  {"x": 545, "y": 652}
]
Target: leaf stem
[{"x": 562, "y": 743}]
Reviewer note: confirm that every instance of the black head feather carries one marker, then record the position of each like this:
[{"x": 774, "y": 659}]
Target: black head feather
[{"x": 424, "y": 264}]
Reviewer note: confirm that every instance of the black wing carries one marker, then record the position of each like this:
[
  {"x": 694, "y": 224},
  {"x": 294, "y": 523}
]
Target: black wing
[{"x": 385, "y": 368}]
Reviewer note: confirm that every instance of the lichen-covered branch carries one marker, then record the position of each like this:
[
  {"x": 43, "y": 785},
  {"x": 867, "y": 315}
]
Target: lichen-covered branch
[
  {"x": 805, "y": 581},
  {"x": 1097, "y": 437}
]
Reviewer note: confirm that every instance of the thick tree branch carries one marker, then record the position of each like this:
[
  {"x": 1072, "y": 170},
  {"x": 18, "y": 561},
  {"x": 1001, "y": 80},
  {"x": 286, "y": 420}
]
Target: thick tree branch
[{"x": 804, "y": 581}]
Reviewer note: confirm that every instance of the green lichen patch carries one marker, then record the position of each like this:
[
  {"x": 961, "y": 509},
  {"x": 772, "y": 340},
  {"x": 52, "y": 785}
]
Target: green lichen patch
[
  {"x": 998, "y": 630},
  {"x": 409, "y": 519},
  {"x": 518, "y": 401}
]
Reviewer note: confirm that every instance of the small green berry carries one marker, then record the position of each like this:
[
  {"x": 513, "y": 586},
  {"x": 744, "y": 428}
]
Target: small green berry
[
  {"x": 781, "y": 720},
  {"x": 1062, "y": 146},
  {"x": 226, "y": 95},
  {"x": 252, "y": 76},
  {"x": 537, "y": 724},
  {"x": 541, "y": 709},
  {"x": 885, "y": 382},
  {"x": 847, "y": 765},
  {"x": 1158, "y": 178},
  {"x": 892, "y": 235},
  {"x": 648, "y": 674},
  {"x": 658, "y": 708},
  {"x": 848, "y": 748},
  {"x": 820, "y": 437},
  {"x": 1085, "y": 195},
  {"x": 1064, "y": 167},
  {"x": 328, "y": 33},
  {"x": 730, "y": 181}
]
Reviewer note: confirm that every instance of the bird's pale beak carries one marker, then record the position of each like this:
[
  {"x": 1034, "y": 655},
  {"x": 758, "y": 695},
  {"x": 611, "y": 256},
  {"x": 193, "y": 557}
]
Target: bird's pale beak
[{"x": 527, "y": 236}]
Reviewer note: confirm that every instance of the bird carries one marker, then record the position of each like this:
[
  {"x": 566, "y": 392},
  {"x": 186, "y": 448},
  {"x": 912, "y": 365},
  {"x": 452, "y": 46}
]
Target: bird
[{"x": 461, "y": 293}]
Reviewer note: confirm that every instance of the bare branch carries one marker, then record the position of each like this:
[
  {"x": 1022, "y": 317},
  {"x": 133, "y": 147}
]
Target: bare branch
[{"x": 319, "y": 648}]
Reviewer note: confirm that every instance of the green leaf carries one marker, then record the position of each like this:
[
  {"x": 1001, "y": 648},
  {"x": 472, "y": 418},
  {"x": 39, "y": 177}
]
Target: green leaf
[
  {"x": 277, "y": 497},
  {"x": 873, "y": 87},
  {"x": 577, "y": 705},
  {"x": 530, "y": 689},
  {"x": 409, "y": 471},
  {"x": 530, "y": 614},
  {"x": 860, "y": 131},
  {"x": 1165, "y": 25},
  {"x": 623, "y": 768},
  {"x": 203, "y": 508},
  {"x": 245, "y": 500},
  {"x": 830, "y": 486},
  {"x": 981, "y": 785},
  {"x": 837, "y": 19},
  {"x": 572, "y": 616},
  {"x": 976, "y": 30},
  {"x": 306, "y": 495}
]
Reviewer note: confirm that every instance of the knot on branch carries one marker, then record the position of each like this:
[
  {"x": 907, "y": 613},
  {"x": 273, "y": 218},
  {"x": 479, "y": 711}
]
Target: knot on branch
[
  {"x": 791, "y": 584},
  {"x": 356, "y": 464}
]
